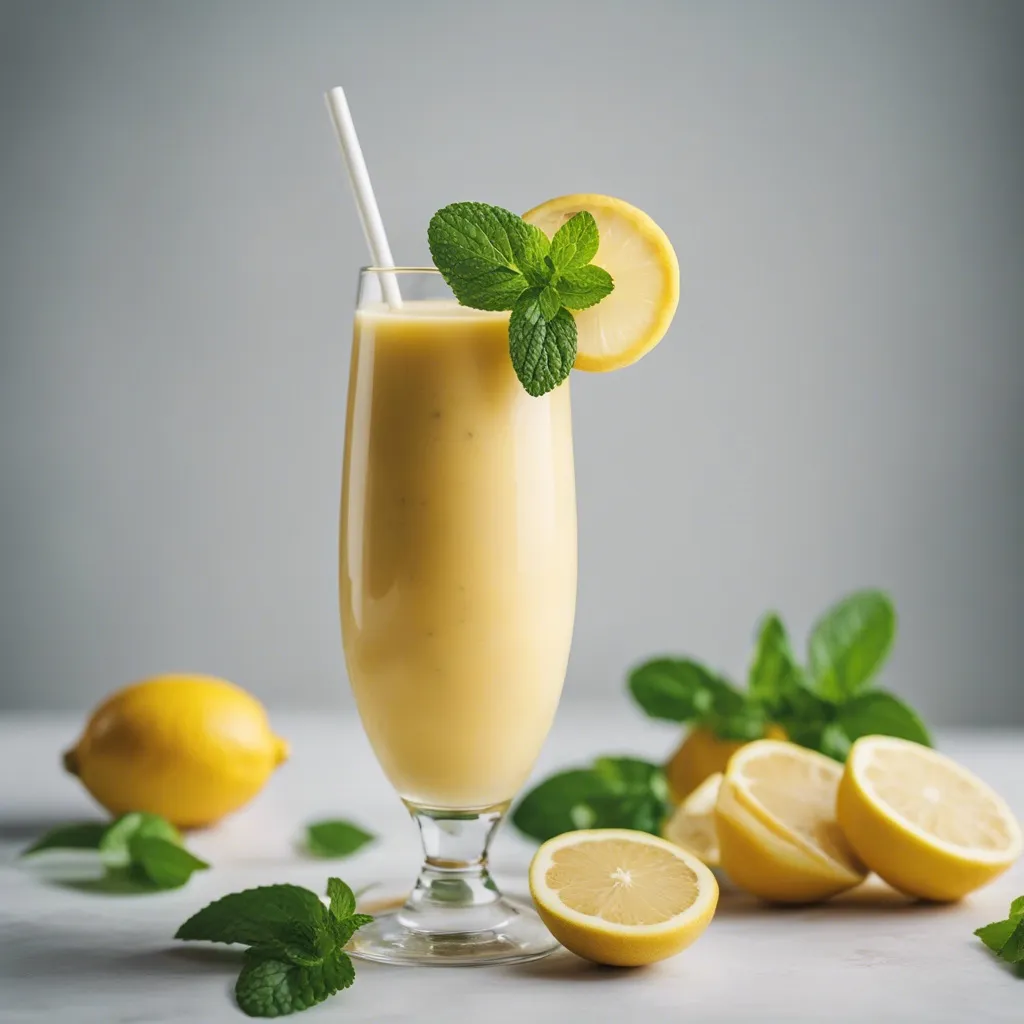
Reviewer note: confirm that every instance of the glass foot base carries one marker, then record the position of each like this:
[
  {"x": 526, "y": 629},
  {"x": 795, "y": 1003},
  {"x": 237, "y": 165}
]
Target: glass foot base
[{"x": 503, "y": 932}]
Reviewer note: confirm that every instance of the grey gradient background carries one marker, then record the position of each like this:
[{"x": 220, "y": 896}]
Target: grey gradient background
[{"x": 837, "y": 403}]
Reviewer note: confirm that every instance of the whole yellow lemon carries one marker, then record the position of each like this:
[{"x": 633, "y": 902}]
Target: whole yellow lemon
[
  {"x": 700, "y": 755},
  {"x": 190, "y": 748}
]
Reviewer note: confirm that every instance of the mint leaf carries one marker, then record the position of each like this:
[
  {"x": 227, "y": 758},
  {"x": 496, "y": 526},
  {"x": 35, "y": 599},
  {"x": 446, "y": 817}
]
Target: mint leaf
[
  {"x": 672, "y": 689},
  {"x": 163, "y": 863},
  {"x": 739, "y": 720},
  {"x": 584, "y": 287},
  {"x": 343, "y": 899},
  {"x": 876, "y": 712},
  {"x": 336, "y": 838},
  {"x": 1006, "y": 938},
  {"x": 255, "y": 916},
  {"x": 268, "y": 987},
  {"x": 478, "y": 249},
  {"x": 625, "y": 773},
  {"x": 996, "y": 934},
  {"x": 834, "y": 742},
  {"x": 547, "y": 809},
  {"x": 550, "y": 303},
  {"x": 114, "y": 846},
  {"x": 1013, "y": 948},
  {"x": 617, "y": 792},
  {"x": 542, "y": 351},
  {"x": 575, "y": 243},
  {"x": 774, "y": 673},
  {"x": 86, "y": 836},
  {"x": 850, "y": 642},
  {"x": 342, "y": 931},
  {"x": 530, "y": 250},
  {"x": 302, "y": 943}
]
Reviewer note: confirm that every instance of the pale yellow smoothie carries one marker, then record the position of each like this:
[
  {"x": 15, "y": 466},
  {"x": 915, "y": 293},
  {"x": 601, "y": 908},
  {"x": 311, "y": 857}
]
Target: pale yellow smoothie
[{"x": 458, "y": 553}]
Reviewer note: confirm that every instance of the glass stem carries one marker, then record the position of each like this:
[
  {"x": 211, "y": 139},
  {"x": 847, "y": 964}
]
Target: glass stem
[{"x": 454, "y": 875}]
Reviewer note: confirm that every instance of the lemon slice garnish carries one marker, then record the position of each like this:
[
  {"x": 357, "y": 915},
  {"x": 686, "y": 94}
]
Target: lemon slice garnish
[{"x": 637, "y": 253}]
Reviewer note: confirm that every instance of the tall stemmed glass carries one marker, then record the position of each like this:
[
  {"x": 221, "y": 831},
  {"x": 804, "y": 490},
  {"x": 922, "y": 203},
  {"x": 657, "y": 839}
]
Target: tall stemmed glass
[{"x": 458, "y": 590}]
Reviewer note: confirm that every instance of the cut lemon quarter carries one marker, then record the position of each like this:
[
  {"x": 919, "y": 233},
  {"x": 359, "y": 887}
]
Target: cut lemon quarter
[
  {"x": 620, "y": 897},
  {"x": 925, "y": 824},
  {"x": 693, "y": 825},
  {"x": 777, "y": 830},
  {"x": 637, "y": 253}
]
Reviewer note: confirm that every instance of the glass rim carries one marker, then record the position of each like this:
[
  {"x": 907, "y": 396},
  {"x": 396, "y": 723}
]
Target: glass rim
[{"x": 399, "y": 270}]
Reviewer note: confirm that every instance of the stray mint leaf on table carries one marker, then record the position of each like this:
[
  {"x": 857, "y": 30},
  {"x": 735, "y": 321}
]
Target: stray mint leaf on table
[
  {"x": 268, "y": 987},
  {"x": 142, "y": 851},
  {"x": 296, "y": 955},
  {"x": 336, "y": 838},
  {"x": 254, "y": 915},
  {"x": 163, "y": 863},
  {"x": 115, "y": 845},
  {"x": 1006, "y": 938},
  {"x": 85, "y": 836},
  {"x": 343, "y": 899}
]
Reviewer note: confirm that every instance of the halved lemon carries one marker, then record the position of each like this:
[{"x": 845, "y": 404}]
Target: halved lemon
[
  {"x": 701, "y": 754},
  {"x": 620, "y": 897},
  {"x": 637, "y": 253},
  {"x": 692, "y": 826},
  {"x": 777, "y": 830},
  {"x": 921, "y": 821}
]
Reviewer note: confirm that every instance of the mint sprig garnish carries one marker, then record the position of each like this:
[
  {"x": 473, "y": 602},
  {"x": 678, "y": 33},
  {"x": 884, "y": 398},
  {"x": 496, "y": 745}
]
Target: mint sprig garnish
[
  {"x": 825, "y": 706},
  {"x": 1006, "y": 938},
  {"x": 296, "y": 956},
  {"x": 334, "y": 838},
  {"x": 493, "y": 260},
  {"x": 139, "y": 851}
]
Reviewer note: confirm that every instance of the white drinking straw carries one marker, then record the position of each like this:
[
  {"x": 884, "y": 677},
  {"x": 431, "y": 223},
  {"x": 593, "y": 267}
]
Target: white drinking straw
[{"x": 369, "y": 213}]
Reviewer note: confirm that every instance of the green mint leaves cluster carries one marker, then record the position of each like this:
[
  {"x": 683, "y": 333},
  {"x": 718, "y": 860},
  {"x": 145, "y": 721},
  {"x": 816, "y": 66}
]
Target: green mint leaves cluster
[
  {"x": 1006, "y": 938},
  {"x": 141, "y": 851},
  {"x": 492, "y": 259},
  {"x": 614, "y": 792},
  {"x": 296, "y": 956},
  {"x": 825, "y": 704}
]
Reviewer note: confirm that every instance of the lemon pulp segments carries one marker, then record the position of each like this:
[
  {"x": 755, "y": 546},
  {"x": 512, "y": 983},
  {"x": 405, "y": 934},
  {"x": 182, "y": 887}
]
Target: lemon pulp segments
[
  {"x": 925, "y": 824},
  {"x": 692, "y": 826},
  {"x": 621, "y": 897},
  {"x": 776, "y": 824},
  {"x": 589, "y": 878}
]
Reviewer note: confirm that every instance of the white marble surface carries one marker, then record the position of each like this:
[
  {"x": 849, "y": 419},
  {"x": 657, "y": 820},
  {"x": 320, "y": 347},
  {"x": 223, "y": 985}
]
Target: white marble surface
[{"x": 83, "y": 958}]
